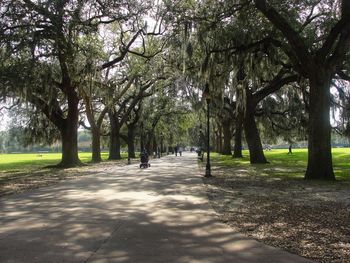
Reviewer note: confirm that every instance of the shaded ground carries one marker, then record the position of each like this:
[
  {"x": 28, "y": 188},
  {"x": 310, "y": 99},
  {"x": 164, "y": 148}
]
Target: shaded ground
[
  {"x": 126, "y": 214},
  {"x": 311, "y": 219},
  {"x": 15, "y": 181}
]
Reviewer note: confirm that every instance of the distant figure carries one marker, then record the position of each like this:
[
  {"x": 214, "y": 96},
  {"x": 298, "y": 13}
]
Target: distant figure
[
  {"x": 180, "y": 151},
  {"x": 290, "y": 149},
  {"x": 176, "y": 150}
]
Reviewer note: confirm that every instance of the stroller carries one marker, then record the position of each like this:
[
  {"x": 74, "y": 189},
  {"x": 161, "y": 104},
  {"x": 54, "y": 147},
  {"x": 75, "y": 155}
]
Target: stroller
[{"x": 144, "y": 159}]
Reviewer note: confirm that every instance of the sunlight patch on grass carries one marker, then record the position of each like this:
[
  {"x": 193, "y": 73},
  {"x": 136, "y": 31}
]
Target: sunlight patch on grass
[
  {"x": 285, "y": 165},
  {"x": 21, "y": 162}
]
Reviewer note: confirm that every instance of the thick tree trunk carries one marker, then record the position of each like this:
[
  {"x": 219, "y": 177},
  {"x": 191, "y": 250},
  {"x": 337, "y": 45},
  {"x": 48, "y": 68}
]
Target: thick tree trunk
[
  {"x": 319, "y": 142},
  {"x": 114, "y": 146},
  {"x": 237, "y": 149},
  {"x": 148, "y": 144},
  {"x": 69, "y": 134},
  {"x": 256, "y": 152},
  {"x": 114, "y": 138},
  {"x": 142, "y": 138},
  {"x": 226, "y": 126},
  {"x": 96, "y": 146},
  {"x": 131, "y": 141}
]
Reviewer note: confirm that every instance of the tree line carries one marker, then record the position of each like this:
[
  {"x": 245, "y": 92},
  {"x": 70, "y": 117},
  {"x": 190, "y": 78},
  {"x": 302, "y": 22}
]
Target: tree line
[{"x": 134, "y": 70}]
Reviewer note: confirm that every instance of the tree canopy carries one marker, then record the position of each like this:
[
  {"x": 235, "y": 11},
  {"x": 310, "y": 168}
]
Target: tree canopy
[{"x": 135, "y": 72}]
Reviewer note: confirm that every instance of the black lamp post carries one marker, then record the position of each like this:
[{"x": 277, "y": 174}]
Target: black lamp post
[{"x": 207, "y": 97}]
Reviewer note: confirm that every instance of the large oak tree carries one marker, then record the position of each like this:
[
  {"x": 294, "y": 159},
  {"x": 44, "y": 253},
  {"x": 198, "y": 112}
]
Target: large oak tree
[{"x": 316, "y": 56}]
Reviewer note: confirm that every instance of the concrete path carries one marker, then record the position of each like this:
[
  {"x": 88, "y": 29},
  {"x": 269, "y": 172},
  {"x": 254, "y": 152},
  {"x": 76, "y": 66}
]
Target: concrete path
[{"x": 160, "y": 214}]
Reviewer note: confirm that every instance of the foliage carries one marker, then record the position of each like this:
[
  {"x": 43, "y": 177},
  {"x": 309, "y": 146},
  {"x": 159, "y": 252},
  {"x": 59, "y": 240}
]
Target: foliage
[{"x": 89, "y": 58}]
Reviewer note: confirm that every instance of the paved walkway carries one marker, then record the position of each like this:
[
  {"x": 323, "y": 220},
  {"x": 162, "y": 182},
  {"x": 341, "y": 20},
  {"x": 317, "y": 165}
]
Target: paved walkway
[{"x": 160, "y": 214}]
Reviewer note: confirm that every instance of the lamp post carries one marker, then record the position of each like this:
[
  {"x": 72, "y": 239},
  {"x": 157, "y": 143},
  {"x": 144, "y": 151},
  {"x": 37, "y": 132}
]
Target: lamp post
[{"x": 207, "y": 97}]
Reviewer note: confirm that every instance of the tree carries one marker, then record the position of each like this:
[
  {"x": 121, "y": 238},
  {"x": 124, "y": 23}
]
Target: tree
[
  {"x": 43, "y": 56},
  {"x": 95, "y": 117},
  {"x": 131, "y": 124},
  {"x": 119, "y": 116},
  {"x": 41, "y": 43},
  {"x": 283, "y": 116},
  {"x": 253, "y": 64},
  {"x": 318, "y": 61}
]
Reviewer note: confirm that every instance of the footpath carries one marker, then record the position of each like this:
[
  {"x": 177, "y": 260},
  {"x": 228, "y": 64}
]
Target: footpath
[{"x": 126, "y": 214}]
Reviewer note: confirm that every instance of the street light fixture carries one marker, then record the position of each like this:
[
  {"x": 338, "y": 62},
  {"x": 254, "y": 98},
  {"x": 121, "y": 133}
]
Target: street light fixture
[{"x": 207, "y": 97}]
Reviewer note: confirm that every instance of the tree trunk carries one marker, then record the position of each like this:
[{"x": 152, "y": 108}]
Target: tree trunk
[
  {"x": 256, "y": 152},
  {"x": 154, "y": 146},
  {"x": 226, "y": 126},
  {"x": 217, "y": 143},
  {"x": 220, "y": 138},
  {"x": 237, "y": 149},
  {"x": 131, "y": 141},
  {"x": 96, "y": 146},
  {"x": 114, "y": 138},
  {"x": 69, "y": 134},
  {"x": 142, "y": 137},
  {"x": 319, "y": 135},
  {"x": 148, "y": 143}
]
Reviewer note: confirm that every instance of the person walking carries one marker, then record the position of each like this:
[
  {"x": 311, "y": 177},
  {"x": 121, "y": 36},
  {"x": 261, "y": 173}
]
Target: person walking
[
  {"x": 176, "y": 150},
  {"x": 290, "y": 149}
]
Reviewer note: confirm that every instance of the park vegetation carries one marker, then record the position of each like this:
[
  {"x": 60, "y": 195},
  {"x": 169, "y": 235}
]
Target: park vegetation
[{"x": 133, "y": 73}]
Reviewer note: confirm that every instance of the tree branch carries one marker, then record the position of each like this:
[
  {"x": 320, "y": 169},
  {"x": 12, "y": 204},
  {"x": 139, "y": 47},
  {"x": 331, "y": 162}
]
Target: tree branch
[
  {"x": 277, "y": 83},
  {"x": 123, "y": 53},
  {"x": 340, "y": 28},
  {"x": 53, "y": 113},
  {"x": 296, "y": 42}
]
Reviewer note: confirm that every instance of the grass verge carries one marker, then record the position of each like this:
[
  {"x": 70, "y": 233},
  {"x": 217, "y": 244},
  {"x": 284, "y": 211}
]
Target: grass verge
[{"x": 286, "y": 165}]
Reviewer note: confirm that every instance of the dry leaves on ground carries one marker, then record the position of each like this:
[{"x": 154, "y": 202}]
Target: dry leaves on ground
[{"x": 311, "y": 219}]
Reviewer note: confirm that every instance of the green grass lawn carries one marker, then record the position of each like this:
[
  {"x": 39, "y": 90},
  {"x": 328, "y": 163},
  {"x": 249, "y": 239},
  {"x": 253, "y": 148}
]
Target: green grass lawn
[
  {"x": 281, "y": 163},
  {"x": 17, "y": 162},
  {"x": 286, "y": 165}
]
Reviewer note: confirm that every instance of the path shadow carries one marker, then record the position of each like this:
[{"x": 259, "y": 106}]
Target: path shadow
[{"x": 126, "y": 214}]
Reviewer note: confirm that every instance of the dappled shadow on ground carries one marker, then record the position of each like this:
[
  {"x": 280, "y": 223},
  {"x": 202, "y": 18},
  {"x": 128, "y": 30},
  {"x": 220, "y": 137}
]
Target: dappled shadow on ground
[
  {"x": 15, "y": 181},
  {"x": 124, "y": 214},
  {"x": 307, "y": 218}
]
